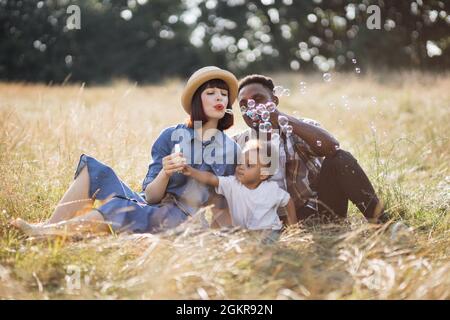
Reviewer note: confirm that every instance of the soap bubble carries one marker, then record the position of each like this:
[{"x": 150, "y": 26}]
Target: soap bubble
[
  {"x": 260, "y": 108},
  {"x": 302, "y": 87},
  {"x": 262, "y": 126},
  {"x": 283, "y": 121},
  {"x": 289, "y": 129},
  {"x": 286, "y": 92},
  {"x": 327, "y": 77},
  {"x": 265, "y": 115},
  {"x": 357, "y": 70},
  {"x": 319, "y": 143},
  {"x": 270, "y": 106},
  {"x": 354, "y": 61},
  {"x": 278, "y": 91},
  {"x": 252, "y": 114},
  {"x": 265, "y": 127},
  {"x": 251, "y": 103}
]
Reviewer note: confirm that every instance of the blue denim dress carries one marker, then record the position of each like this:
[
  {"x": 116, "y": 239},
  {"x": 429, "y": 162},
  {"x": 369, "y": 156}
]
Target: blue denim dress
[{"x": 128, "y": 211}]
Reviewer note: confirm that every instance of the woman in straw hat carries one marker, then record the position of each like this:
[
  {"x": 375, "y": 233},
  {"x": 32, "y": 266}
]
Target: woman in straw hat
[{"x": 168, "y": 197}]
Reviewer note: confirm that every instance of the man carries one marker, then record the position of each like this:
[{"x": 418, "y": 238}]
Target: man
[{"x": 319, "y": 176}]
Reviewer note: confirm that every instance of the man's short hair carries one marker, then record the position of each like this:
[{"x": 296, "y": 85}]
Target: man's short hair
[{"x": 257, "y": 78}]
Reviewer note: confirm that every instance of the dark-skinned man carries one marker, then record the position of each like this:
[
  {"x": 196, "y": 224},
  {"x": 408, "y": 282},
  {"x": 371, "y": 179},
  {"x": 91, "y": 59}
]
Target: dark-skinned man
[{"x": 320, "y": 177}]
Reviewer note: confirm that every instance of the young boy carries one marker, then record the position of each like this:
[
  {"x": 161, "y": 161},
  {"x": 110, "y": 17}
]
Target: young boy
[{"x": 253, "y": 201}]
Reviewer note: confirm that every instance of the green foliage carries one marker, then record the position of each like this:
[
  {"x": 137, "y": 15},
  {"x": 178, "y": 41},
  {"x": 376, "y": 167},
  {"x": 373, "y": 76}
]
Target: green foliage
[{"x": 165, "y": 38}]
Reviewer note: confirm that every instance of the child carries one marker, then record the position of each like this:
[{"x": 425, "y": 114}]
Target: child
[{"x": 253, "y": 201}]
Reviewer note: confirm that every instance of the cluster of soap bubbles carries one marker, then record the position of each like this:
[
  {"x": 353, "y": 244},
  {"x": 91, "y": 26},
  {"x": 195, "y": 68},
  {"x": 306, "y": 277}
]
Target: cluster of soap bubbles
[
  {"x": 260, "y": 115},
  {"x": 283, "y": 122},
  {"x": 279, "y": 91}
]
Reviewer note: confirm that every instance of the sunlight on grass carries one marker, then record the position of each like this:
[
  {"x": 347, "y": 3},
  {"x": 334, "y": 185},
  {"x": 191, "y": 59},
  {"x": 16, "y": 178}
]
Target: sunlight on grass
[{"x": 396, "y": 125}]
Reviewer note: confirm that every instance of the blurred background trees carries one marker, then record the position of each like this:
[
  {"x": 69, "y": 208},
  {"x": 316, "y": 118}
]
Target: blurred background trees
[{"x": 147, "y": 40}]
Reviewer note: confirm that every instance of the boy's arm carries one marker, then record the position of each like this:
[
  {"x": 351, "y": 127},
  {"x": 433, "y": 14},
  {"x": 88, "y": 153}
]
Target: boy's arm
[
  {"x": 201, "y": 176},
  {"x": 292, "y": 216}
]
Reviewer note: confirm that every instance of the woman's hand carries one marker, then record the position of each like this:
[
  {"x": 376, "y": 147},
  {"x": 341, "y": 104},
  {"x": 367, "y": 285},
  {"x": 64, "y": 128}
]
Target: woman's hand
[{"x": 173, "y": 163}]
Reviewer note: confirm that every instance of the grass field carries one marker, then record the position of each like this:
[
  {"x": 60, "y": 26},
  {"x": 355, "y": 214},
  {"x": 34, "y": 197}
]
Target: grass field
[{"x": 396, "y": 124}]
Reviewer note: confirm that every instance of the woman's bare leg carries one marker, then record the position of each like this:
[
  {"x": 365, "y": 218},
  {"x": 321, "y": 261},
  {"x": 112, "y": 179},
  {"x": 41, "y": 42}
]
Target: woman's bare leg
[
  {"x": 91, "y": 222},
  {"x": 75, "y": 201}
]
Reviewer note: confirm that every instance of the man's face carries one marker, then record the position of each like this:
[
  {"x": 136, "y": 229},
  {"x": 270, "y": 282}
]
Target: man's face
[{"x": 257, "y": 92}]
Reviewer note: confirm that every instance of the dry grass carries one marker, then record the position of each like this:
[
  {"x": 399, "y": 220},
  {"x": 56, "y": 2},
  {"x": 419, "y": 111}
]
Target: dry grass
[{"x": 397, "y": 125}]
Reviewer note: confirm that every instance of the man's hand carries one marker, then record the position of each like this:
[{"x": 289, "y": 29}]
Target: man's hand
[{"x": 274, "y": 118}]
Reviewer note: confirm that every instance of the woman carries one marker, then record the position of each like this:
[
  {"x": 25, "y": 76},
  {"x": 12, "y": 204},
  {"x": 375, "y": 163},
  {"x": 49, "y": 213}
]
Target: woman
[{"x": 168, "y": 197}]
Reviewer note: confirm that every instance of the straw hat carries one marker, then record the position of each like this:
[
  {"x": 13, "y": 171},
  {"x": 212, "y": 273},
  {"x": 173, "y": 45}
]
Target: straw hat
[{"x": 203, "y": 75}]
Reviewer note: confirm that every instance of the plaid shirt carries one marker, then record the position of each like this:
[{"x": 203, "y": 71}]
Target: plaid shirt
[{"x": 302, "y": 167}]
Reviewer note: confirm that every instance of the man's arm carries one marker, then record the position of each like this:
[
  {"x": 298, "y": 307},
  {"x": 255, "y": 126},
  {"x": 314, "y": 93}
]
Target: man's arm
[
  {"x": 311, "y": 134},
  {"x": 292, "y": 216},
  {"x": 201, "y": 176}
]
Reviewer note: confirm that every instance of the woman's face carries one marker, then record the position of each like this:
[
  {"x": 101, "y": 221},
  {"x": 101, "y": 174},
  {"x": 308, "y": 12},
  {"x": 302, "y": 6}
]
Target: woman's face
[{"x": 214, "y": 101}]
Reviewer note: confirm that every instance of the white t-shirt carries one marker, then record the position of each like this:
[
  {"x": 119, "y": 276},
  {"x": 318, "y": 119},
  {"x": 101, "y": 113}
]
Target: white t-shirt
[{"x": 253, "y": 209}]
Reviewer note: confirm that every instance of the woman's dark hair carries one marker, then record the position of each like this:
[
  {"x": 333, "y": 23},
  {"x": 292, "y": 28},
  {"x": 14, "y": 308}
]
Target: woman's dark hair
[{"x": 197, "y": 112}]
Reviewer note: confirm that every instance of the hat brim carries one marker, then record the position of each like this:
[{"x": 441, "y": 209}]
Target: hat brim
[{"x": 194, "y": 84}]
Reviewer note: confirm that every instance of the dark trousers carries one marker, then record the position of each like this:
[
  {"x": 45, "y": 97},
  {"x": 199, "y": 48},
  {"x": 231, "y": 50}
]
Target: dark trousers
[{"x": 342, "y": 179}]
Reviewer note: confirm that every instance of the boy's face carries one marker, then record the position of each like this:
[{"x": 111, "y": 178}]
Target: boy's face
[
  {"x": 257, "y": 92},
  {"x": 249, "y": 171}
]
